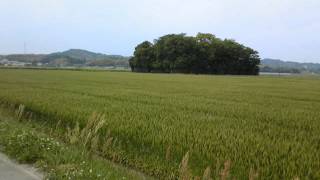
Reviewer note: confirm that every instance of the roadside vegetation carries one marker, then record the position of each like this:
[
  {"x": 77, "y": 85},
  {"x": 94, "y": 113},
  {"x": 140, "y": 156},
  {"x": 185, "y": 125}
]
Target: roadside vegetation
[
  {"x": 29, "y": 142},
  {"x": 177, "y": 126}
]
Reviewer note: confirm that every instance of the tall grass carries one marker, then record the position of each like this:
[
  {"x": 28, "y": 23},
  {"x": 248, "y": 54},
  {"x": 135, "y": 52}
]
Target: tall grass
[{"x": 88, "y": 136}]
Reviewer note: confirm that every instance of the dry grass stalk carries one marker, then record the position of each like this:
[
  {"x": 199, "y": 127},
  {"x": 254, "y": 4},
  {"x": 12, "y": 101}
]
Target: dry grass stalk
[
  {"x": 73, "y": 134},
  {"x": 253, "y": 174},
  {"x": 20, "y": 111},
  {"x": 95, "y": 143},
  {"x": 28, "y": 115},
  {"x": 197, "y": 178},
  {"x": 90, "y": 131},
  {"x": 114, "y": 157},
  {"x": 109, "y": 141},
  {"x": 226, "y": 170},
  {"x": 58, "y": 125},
  {"x": 88, "y": 136},
  {"x": 107, "y": 144},
  {"x": 207, "y": 174},
  {"x": 184, "y": 173},
  {"x": 168, "y": 152}
]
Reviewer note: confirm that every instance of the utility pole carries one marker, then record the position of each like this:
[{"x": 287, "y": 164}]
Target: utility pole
[
  {"x": 279, "y": 69},
  {"x": 24, "y": 48}
]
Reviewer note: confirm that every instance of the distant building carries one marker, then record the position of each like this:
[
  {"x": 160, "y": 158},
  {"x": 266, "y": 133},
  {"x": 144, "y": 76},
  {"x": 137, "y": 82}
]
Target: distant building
[{"x": 6, "y": 62}]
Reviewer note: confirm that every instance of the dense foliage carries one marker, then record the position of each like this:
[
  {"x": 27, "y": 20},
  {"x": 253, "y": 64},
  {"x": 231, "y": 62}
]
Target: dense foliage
[
  {"x": 261, "y": 123},
  {"x": 203, "y": 54}
]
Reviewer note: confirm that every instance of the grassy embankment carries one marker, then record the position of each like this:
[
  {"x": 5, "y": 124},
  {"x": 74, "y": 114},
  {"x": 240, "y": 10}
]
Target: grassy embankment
[
  {"x": 236, "y": 126},
  {"x": 29, "y": 142}
]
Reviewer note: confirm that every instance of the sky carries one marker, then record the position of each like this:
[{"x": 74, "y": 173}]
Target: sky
[{"x": 280, "y": 29}]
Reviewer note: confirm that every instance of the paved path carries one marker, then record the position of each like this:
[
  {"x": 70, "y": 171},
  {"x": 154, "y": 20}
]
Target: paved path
[{"x": 10, "y": 170}]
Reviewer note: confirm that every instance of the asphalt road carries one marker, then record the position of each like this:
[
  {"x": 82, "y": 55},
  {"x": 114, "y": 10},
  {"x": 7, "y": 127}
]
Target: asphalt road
[{"x": 10, "y": 170}]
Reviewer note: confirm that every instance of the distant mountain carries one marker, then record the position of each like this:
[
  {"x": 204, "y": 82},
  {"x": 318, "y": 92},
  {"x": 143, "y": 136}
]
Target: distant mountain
[
  {"x": 79, "y": 57},
  {"x": 72, "y": 57},
  {"x": 276, "y": 65},
  {"x": 89, "y": 56}
]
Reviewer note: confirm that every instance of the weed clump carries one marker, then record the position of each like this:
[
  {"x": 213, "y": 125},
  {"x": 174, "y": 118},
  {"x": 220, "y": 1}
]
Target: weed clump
[{"x": 88, "y": 136}]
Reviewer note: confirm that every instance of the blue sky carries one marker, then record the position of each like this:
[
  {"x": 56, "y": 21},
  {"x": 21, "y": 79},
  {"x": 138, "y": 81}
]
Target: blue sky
[{"x": 284, "y": 29}]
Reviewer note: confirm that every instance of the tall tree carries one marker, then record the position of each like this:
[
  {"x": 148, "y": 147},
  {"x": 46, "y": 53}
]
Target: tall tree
[{"x": 143, "y": 57}]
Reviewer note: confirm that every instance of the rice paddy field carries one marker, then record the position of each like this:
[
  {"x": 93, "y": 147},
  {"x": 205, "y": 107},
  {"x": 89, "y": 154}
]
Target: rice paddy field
[{"x": 166, "y": 125}]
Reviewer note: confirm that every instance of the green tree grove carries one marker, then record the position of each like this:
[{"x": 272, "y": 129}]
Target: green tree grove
[{"x": 203, "y": 54}]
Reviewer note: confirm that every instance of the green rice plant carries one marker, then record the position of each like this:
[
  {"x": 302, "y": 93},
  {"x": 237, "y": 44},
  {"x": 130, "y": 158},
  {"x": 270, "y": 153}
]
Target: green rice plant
[{"x": 268, "y": 124}]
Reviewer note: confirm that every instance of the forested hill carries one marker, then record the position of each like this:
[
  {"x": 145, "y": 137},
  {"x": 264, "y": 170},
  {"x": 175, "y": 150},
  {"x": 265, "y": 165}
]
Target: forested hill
[
  {"x": 88, "y": 55},
  {"x": 276, "y": 65},
  {"x": 72, "y": 57}
]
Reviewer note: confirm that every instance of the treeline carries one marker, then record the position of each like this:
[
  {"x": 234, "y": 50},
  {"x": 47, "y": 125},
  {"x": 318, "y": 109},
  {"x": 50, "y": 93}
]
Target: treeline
[{"x": 203, "y": 54}]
